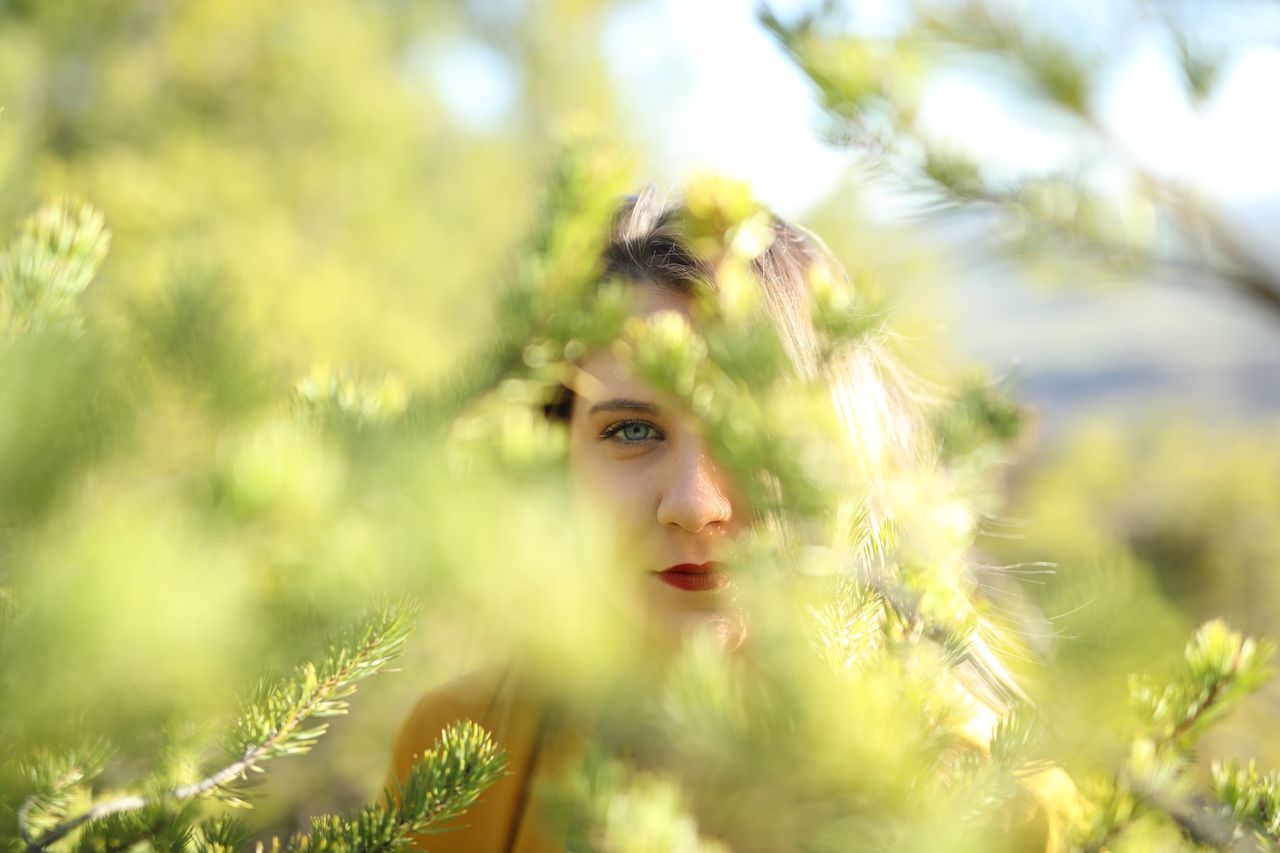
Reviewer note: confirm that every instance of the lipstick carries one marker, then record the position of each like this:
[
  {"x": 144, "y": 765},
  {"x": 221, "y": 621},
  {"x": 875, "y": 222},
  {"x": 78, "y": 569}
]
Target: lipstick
[{"x": 693, "y": 577}]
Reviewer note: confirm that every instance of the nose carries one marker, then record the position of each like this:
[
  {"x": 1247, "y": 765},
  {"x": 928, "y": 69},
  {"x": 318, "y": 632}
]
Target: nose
[{"x": 697, "y": 495}]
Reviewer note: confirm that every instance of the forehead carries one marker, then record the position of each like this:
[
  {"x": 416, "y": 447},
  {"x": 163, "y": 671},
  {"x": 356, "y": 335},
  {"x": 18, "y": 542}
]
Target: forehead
[{"x": 601, "y": 373}]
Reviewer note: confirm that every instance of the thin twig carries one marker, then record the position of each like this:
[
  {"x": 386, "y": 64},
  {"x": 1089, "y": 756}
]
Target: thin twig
[{"x": 98, "y": 812}]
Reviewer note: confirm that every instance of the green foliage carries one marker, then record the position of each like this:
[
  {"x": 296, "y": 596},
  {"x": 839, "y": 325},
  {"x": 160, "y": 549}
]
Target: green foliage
[
  {"x": 904, "y": 649},
  {"x": 611, "y": 806},
  {"x": 1155, "y": 786},
  {"x": 1174, "y": 513},
  {"x": 1221, "y": 666},
  {"x": 903, "y": 643},
  {"x": 157, "y": 825},
  {"x": 332, "y": 395},
  {"x": 979, "y": 416},
  {"x": 43, "y": 272},
  {"x": 221, "y": 834},
  {"x": 46, "y": 268},
  {"x": 315, "y": 167},
  {"x": 180, "y": 514},
  {"x": 1253, "y": 797},
  {"x": 440, "y": 786},
  {"x": 275, "y": 719},
  {"x": 277, "y": 722},
  {"x": 51, "y": 781},
  {"x": 263, "y": 469}
]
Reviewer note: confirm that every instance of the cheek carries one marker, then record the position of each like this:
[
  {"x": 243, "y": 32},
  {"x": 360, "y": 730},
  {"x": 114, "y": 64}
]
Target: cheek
[{"x": 623, "y": 489}]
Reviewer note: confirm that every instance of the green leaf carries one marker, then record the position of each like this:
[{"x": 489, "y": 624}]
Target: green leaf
[{"x": 47, "y": 267}]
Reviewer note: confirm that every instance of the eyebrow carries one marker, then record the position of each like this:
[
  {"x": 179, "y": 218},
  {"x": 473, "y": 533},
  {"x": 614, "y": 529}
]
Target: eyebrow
[{"x": 622, "y": 404}]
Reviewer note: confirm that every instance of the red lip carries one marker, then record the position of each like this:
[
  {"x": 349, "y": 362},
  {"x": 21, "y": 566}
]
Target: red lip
[{"x": 694, "y": 577}]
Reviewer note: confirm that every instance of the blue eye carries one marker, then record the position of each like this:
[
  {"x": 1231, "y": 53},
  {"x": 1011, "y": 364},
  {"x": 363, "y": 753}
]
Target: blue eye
[{"x": 632, "y": 432}]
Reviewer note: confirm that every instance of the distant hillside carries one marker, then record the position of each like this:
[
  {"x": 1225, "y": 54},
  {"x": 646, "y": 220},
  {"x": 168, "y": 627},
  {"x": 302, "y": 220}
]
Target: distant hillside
[{"x": 1128, "y": 351}]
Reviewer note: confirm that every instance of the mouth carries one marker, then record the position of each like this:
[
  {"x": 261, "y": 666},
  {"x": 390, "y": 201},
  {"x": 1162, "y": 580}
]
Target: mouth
[{"x": 693, "y": 577}]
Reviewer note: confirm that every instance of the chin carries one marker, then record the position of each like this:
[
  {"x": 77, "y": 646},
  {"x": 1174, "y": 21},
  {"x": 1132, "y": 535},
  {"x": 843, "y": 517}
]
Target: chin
[{"x": 675, "y": 626}]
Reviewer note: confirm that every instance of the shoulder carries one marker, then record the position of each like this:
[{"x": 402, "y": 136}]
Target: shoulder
[{"x": 487, "y": 697}]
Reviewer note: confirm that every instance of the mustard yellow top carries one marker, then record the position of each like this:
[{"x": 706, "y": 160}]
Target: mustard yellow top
[{"x": 505, "y": 818}]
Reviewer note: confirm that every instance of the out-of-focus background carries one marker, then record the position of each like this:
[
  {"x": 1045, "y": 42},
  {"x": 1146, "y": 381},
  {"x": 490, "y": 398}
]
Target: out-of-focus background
[{"x": 340, "y": 183}]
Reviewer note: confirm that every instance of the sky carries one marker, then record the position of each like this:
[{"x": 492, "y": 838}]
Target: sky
[
  {"x": 704, "y": 86},
  {"x": 708, "y": 87}
]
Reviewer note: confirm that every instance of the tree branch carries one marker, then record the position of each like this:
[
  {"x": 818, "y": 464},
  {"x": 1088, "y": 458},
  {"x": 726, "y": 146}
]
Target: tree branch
[{"x": 250, "y": 758}]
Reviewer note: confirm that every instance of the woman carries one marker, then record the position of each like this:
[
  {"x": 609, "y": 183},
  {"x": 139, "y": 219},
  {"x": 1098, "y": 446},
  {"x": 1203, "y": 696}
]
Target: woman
[{"x": 638, "y": 452}]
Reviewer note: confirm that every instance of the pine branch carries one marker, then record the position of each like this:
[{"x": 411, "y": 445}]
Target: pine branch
[
  {"x": 160, "y": 825},
  {"x": 222, "y": 834},
  {"x": 441, "y": 785},
  {"x": 98, "y": 812},
  {"x": 1197, "y": 822},
  {"x": 54, "y": 778},
  {"x": 45, "y": 269},
  {"x": 1220, "y": 667},
  {"x": 1252, "y": 797},
  {"x": 272, "y": 724}
]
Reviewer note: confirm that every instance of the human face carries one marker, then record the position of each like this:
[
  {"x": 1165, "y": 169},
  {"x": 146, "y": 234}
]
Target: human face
[{"x": 636, "y": 454}]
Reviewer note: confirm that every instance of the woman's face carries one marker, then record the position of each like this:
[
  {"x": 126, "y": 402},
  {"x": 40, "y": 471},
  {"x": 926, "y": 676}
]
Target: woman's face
[{"x": 638, "y": 456}]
